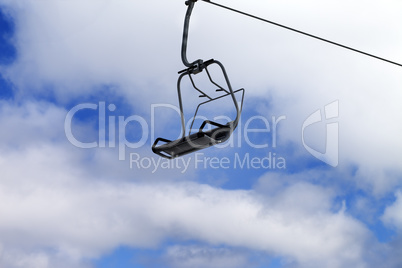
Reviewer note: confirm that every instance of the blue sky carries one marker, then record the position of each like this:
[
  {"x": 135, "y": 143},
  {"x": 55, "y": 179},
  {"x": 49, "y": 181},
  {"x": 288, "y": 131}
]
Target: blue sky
[{"x": 262, "y": 199}]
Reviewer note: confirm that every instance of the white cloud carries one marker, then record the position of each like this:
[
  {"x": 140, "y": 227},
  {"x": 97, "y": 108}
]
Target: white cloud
[
  {"x": 197, "y": 256},
  {"x": 20, "y": 258},
  {"x": 105, "y": 43},
  {"x": 393, "y": 213},
  {"x": 59, "y": 204},
  {"x": 30, "y": 122},
  {"x": 54, "y": 206}
]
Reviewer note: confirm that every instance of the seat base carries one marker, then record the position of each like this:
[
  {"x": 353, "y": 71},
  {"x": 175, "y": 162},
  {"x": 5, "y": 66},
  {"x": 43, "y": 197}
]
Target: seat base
[{"x": 193, "y": 142}]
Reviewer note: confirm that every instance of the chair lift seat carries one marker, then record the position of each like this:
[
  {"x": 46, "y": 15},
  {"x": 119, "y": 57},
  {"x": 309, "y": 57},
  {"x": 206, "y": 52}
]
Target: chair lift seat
[
  {"x": 201, "y": 139},
  {"x": 194, "y": 142}
]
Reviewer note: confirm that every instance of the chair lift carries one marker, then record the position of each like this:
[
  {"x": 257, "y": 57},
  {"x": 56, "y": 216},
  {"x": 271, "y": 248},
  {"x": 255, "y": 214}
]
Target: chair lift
[{"x": 201, "y": 139}]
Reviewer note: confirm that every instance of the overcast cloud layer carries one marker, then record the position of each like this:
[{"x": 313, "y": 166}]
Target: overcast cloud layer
[{"x": 61, "y": 206}]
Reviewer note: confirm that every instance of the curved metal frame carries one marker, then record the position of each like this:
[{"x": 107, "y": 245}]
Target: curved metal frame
[
  {"x": 222, "y": 96},
  {"x": 231, "y": 92}
]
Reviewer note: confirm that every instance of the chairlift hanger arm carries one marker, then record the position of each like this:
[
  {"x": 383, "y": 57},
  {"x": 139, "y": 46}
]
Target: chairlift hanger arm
[
  {"x": 190, "y": 7},
  {"x": 197, "y": 65}
]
